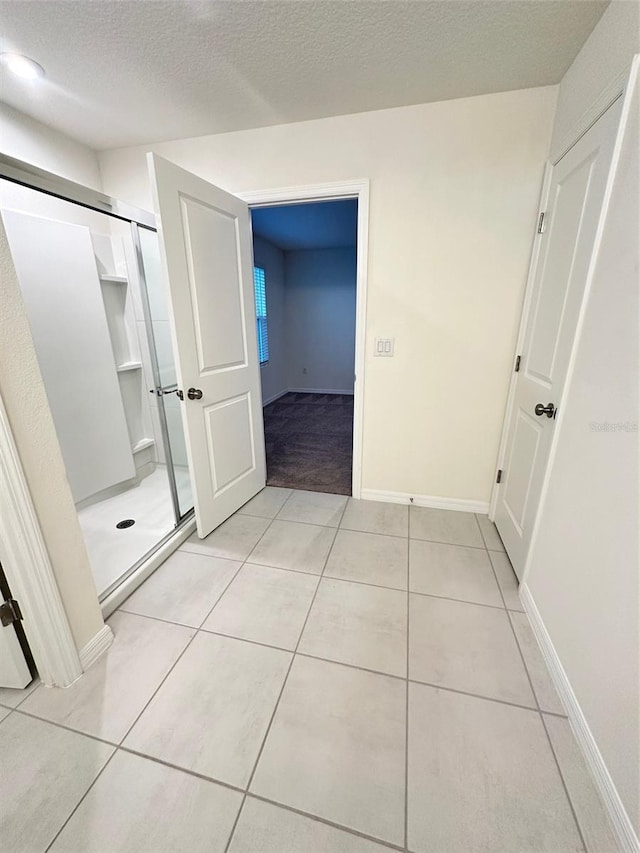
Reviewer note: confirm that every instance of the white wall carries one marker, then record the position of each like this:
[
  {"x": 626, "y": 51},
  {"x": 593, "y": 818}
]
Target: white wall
[
  {"x": 24, "y": 395},
  {"x": 583, "y": 567},
  {"x": 273, "y": 375},
  {"x": 454, "y": 194},
  {"x": 605, "y": 56},
  {"x": 26, "y": 139},
  {"x": 320, "y": 311}
]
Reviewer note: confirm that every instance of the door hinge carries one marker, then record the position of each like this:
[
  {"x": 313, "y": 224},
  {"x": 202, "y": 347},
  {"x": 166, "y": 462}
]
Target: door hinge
[
  {"x": 517, "y": 367},
  {"x": 10, "y": 612},
  {"x": 499, "y": 475},
  {"x": 542, "y": 224}
]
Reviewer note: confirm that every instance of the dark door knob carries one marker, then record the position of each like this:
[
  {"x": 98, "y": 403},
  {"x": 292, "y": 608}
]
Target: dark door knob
[
  {"x": 194, "y": 394},
  {"x": 547, "y": 410}
]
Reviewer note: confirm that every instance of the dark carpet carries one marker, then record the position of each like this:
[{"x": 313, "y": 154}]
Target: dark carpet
[{"x": 309, "y": 441}]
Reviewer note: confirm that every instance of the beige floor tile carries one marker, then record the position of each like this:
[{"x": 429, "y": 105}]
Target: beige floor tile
[
  {"x": 466, "y": 647},
  {"x": 490, "y": 534},
  {"x": 369, "y": 558},
  {"x": 140, "y": 806},
  {"x": 452, "y": 571},
  {"x": 107, "y": 699},
  {"x": 336, "y": 748},
  {"x": 507, "y": 580},
  {"x": 264, "y": 605},
  {"x": 443, "y": 525},
  {"x": 543, "y": 687},
  {"x": 313, "y": 508},
  {"x": 376, "y": 517},
  {"x": 266, "y": 503},
  {"x": 11, "y": 698},
  {"x": 596, "y": 829},
  {"x": 4, "y": 712},
  {"x": 212, "y": 712},
  {"x": 233, "y": 540},
  {"x": 358, "y": 624},
  {"x": 482, "y": 777},
  {"x": 183, "y": 589},
  {"x": 45, "y": 772},
  {"x": 288, "y": 545},
  {"x": 264, "y": 828}
]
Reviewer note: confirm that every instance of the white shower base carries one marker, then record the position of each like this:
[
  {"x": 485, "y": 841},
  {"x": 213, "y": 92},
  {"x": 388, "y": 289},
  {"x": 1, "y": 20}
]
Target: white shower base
[{"x": 111, "y": 551}]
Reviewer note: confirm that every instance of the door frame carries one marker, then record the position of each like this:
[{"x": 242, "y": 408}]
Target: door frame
[
  {"x": 355, "y": 189},
  {"x": 620, "y": 87},
  {"x": 29, "y": 572}
]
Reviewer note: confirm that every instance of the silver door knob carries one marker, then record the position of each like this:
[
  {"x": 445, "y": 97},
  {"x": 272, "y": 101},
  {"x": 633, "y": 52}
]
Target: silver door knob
[
  {"x": 547, "y": 410},
  {"x": 194, "y": 394}
]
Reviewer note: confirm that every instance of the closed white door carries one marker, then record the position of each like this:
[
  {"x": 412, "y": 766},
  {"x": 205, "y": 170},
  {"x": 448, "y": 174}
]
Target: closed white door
[
  {"x": 571, "y": 220},
  {"x": 205, "y": 237}
]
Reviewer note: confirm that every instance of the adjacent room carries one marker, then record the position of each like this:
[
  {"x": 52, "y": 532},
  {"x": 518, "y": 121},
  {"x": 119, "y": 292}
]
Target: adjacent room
[{"x": 305, "y": 280}]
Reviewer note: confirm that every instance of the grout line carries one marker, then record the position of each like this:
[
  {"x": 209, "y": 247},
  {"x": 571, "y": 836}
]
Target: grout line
[
  {"x": 175, "y": 663},
  {"x": 474, "y": 695},
  {"x": 326, "y": 821},
  {"x": 538, "y": 709},
  {"x": 360, "y": 668},
  {"x": 80, "y": 801},
  {"x": 564, "y": 784},
  {"x": 180, "y": 769},
  {"x": 370, "y": 532},
  {"x": 352, "y": 666},
  {"x": 66, "y": 728},
  {"x": 459, "y": 600},
  {"x": 33, "y": 685},
  {"x": 6, "y": 717},
  {"x": 284, "y": 683},
  {"x": 346, "y": 529}
]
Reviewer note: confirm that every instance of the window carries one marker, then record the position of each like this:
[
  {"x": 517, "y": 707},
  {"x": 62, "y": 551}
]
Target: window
[{"x": 260, "y": 288}]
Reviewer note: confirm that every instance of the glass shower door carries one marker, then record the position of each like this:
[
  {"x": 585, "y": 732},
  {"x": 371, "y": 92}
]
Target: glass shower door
[{"x": 157, "y": 310}]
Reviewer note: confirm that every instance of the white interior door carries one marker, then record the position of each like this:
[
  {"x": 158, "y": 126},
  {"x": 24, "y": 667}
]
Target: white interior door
[
  {"x": 205, "y": 239},
  {"x": 573, "y": 210}
]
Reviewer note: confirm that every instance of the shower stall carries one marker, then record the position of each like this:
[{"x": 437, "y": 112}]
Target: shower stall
[{"x": 89, "y": 272}]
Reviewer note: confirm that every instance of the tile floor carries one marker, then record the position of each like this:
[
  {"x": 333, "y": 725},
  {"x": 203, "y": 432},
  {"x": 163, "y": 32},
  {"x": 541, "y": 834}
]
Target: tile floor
[{"x": 319, "y": 675}]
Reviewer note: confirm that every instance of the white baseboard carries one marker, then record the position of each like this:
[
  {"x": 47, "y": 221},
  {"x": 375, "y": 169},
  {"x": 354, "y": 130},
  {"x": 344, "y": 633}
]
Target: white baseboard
[
  {"x": 618, "y": 816},
  {"x": 96, "y": 647},
  {"x": 320, "y": 391},
  {"x": 458, "y": 504},
  {"x": 274, "y": 397},
  {"x": 111, "y": 602}
]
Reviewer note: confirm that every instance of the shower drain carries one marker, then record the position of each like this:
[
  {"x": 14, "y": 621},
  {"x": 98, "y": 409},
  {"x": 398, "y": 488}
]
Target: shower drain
[{"x": 128, "y": 522}]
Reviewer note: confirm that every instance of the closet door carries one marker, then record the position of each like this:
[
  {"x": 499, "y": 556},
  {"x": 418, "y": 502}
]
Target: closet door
[{"x": 572, "y": 217}]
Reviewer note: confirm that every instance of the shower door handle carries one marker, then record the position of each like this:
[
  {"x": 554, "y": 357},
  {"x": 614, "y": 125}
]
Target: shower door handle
[{"x": 194, "y": 394}]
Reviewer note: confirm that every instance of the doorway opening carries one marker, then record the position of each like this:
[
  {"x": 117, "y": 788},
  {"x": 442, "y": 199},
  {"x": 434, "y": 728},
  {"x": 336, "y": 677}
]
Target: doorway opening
[{"x": 305, "y": 279}]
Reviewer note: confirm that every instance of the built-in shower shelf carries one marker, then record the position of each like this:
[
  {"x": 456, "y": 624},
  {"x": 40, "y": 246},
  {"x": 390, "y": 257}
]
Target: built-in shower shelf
[
  {"x": 142, "y": 444},
  {"x": 115, "y": 279},
  {"x": 129, "y": 365}
]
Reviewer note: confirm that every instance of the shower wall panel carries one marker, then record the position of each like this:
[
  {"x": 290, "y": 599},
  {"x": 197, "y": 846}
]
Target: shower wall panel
[{"x": 57, "y": 271}]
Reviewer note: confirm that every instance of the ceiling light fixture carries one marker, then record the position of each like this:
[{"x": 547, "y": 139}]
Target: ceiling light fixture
[{"x": 22, "y": 66}]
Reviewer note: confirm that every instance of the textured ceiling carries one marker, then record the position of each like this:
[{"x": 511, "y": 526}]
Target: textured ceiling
[
  {"x": 320, "y": 225},
  {"x": 123, "y": 72}
]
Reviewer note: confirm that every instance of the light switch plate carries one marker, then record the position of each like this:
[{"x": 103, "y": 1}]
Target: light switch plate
[{"x": 384, "y": 347}]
